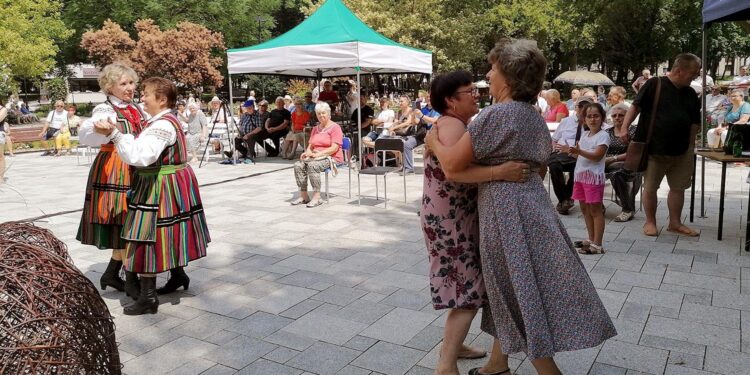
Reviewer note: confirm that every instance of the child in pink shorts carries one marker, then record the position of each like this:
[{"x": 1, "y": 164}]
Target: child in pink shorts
[{"x": 588, "y": 189}]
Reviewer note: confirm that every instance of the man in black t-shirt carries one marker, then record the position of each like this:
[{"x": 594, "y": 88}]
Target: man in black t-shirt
[
  {"x": 277, "y": 125},
  {"x": 672, "y": 141},
  {"x": 367, "y": 115}
]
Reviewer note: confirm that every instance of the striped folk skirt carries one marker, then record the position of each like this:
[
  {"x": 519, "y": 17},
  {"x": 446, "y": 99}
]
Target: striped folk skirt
[
  {"x": 105, "y": 204},
  {"x": 165, "y": 226}
]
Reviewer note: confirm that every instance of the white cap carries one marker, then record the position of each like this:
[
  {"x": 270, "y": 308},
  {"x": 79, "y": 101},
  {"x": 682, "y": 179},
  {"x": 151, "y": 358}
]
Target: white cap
[
  {"x": 215, "y": 99},
  {"x": 287, "y": 97}
]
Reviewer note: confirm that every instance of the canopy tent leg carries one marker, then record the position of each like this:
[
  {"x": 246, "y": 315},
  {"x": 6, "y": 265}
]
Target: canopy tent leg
[
  {"x": 703, "y": 119},
  {"x": 359, "y": 137},
  {"x": 229, "y": 76}
]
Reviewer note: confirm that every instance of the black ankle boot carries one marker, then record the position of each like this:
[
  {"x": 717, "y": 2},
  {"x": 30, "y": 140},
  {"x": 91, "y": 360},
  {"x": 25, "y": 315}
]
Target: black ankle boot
[
  {"x": 132, "y": 288},
  {"x": 148, "y": 302},
  {"x": 177, "y": 279},
  {"x": 111, "y": 277}
]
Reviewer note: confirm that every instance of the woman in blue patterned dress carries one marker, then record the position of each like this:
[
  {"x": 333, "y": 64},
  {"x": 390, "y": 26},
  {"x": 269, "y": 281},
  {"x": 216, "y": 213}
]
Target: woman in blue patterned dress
[
  {"x": 450, "y": 221},
  {"x": 540, "y": 297}
]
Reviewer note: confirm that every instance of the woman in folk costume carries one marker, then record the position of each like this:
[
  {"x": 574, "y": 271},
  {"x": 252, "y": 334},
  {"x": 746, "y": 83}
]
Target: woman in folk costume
[
  {"x": 165, "y": 226},
  {"x": 105, "y": 205}
]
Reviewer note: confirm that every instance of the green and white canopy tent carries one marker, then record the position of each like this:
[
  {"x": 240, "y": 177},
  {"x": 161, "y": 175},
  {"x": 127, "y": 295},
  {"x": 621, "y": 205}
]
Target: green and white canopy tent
[{"x": 332, "y": 42}]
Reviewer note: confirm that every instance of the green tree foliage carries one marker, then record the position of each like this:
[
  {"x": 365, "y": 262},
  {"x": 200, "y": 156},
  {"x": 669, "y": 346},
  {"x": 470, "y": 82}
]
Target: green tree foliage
[
  {"x": 287, "y": 16},
  {"x": 57, "y": 89},
  {"x": 29, "y": 31}
]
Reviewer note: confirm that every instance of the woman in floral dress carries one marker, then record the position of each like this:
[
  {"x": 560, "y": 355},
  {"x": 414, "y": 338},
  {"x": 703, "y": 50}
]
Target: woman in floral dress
[
  {"x": 450, "y": 222},
  {"x": 540, "y": 297}
]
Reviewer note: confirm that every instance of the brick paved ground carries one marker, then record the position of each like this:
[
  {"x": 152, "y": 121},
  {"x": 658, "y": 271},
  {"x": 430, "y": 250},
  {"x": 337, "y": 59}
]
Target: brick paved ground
[{"x": 341, "y": 289}]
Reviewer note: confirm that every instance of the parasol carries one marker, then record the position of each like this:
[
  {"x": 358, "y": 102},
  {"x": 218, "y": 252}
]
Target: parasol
[{"x": 584, "y": 77}]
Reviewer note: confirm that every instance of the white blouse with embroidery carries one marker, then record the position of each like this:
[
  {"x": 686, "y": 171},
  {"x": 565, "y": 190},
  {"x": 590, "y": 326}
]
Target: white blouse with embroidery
[
  {"x": 145, "y": 150},
  {"x": 86, "y": 134}
]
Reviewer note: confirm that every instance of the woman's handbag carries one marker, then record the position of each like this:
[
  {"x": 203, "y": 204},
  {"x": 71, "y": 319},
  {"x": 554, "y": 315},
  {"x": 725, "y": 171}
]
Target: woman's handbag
[{"x": 636, "y": 157}]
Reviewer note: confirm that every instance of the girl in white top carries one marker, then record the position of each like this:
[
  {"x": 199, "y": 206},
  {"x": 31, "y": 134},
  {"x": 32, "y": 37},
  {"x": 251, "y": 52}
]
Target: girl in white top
[{"x": 589, "y": 176}]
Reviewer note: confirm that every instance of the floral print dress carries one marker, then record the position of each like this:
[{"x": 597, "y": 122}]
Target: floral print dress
[{"x": 450, "y": 224}]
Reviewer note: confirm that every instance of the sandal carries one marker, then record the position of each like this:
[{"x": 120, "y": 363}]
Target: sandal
[
  {"x": 624, "y": 217},
  {"x": 314, "y": 203},
  {"x": 299, "y": 201},
  {"x": 581, "y": 244},
  {"x": 475, "y": 371},
  {"x": 595, "y": 249}
]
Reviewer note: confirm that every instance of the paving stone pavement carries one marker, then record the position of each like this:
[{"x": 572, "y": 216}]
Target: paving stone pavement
[{"x": 342, "y": 288}]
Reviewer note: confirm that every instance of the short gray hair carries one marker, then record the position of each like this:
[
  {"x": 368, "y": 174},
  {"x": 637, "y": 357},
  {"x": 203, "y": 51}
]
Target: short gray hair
[
  {"x": 523, "y": 65},
  {"x": 737, "y": 91},
  {"x": 279, "y": 98},
  {"x": 112, "y": 73},
  {"x": 621, "y": 106},
  {"x": 686, "y": 61},
  {"x": 322, "y": 108}
]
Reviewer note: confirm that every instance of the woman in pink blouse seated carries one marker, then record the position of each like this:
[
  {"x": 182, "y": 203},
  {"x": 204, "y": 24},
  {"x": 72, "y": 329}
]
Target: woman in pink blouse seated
[
  {"x": 323, "y": 152},
  {"x": 557, "y": 110}
]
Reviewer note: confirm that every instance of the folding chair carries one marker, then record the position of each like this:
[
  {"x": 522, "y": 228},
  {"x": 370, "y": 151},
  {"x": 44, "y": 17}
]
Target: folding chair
[
  {"x": 346, "y": 147},
  {"x": 383, "y": 145}
]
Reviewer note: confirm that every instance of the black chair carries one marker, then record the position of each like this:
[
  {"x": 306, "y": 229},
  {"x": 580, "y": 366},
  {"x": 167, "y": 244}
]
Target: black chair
[{"x": 383, "y": 145}]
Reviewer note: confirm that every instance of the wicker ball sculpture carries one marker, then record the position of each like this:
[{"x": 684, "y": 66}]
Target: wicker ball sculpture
[
  {"x": 52, "y": 320},
  {"x": 29, "y": 233}
]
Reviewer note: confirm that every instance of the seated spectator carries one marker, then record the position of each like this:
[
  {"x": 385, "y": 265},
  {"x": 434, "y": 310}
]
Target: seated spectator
[
  {"x": 368, "y": 115},
  {"x": 571, "y": 103},
  {"x": 323, "y": 152},
  {"x": 567, "y": 134},
  {"x": 601, "y": 98},
  {"x": 616, "y": 96},
  {"x": 384, "y": 120},
  {"x": 52, "y": 125},
  {"x": 716, "y": 106},
  {"x": 73, "y": 120},
  {"x": 309, "y": 104},
  {"x": 541, "y": 101},
  {"x": 288, "y": 103},
  {"x": 300, "y": 119},
  {"x": 62, "y": 139},
  {"x": 697, "y": 84},
  {"x": 328, "y": 95},
  {"x": 277, "y": 125},
  {"x": 738, "y": 113},
  {"x": 251, "y": 126},
  {"x": 625, "y": 183},
  {"x": 405, "y": 127},
  {"x": 556, "y": 110},
  {"x": 743, "y": 79},
  {"x": 425, "y": 119}
]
